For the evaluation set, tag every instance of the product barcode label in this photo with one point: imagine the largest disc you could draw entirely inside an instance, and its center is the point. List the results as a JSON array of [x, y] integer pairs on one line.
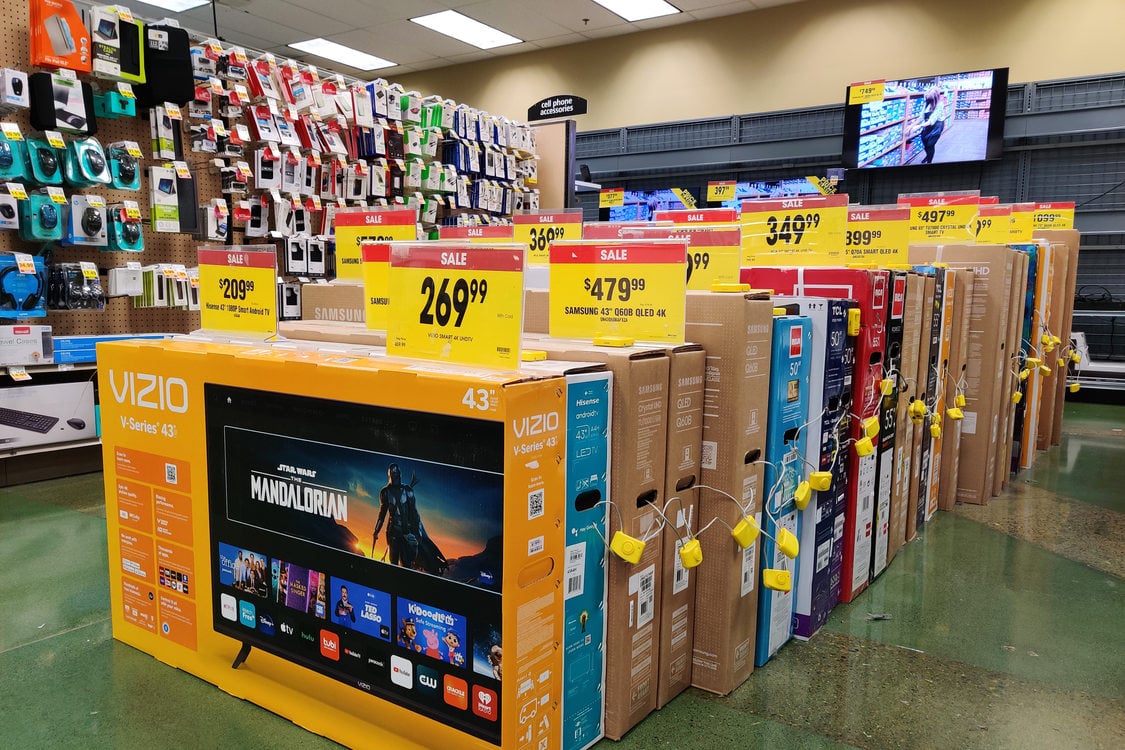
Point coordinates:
[[823, 555], [838, 530], [642, 584], [170, 475], [534, 504], [709, 457], [575, 570], [680, 573], [535, 545], [749, 569]]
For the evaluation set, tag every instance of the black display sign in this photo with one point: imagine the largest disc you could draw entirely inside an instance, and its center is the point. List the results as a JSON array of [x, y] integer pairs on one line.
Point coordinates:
[[562, 105]]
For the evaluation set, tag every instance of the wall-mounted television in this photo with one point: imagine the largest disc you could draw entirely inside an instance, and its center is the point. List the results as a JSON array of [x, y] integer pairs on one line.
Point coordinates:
[[790, 188], [640, 205], [938, 119]]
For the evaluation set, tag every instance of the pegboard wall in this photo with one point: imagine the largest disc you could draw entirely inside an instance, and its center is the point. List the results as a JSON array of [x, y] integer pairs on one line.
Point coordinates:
[[119, 315]]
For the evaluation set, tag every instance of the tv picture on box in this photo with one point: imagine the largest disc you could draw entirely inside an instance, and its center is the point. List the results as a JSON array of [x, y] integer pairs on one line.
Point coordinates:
[[938, 119]]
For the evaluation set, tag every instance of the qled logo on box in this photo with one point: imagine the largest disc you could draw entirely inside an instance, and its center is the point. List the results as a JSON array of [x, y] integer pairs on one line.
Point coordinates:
[[402, 672]]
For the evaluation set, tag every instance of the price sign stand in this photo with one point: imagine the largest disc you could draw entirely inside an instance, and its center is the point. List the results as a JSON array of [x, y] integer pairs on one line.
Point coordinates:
[[807, 231], [459, 303], [713, 249], [993, 225], [878, 234], [632, 289], [354, 228], [942, 217], [538, 231], [238, 290]]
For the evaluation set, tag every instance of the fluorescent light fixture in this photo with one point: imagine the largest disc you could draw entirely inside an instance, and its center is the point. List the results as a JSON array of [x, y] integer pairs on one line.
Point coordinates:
[[465, 29], [638, 10], [353, 58], [176, 6]]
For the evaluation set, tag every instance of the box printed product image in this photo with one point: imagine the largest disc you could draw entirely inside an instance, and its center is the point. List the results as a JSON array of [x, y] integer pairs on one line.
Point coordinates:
[[735, 330], [954, 380], [817, 583], [1018, 301], [921, 433], [639, 419], [904, 432], [1037, 328], [54, 408], [929, 369], [869, 289], [790, 362], [888, 422], [362, 536], [947, 281], [983, 443]]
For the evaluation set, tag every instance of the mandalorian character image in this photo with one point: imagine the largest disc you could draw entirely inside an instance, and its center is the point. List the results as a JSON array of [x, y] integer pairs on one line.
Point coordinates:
[[408, 544]]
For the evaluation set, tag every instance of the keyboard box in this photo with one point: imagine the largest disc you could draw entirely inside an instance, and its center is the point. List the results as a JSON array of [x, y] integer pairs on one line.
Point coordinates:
[[58, 412], [25, 345]]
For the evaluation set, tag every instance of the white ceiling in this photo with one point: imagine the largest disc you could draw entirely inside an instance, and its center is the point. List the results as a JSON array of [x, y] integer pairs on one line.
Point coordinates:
[[383, 28]]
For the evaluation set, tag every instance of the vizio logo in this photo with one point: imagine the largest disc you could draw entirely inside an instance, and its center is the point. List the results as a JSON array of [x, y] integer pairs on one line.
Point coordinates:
[[150, 391], [247, 615], [429, 681], [402, 672], [229, 607]]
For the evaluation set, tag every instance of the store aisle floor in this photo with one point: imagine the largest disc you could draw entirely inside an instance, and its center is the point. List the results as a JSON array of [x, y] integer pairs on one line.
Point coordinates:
[[1005, 629]]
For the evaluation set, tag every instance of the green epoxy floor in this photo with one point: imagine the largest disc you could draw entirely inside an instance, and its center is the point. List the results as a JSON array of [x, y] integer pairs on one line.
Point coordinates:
[[1007, 630]]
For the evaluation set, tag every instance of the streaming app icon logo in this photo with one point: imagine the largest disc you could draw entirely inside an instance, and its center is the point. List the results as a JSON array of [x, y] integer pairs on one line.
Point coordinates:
[[402, 672], [247, 614], [456, 692], [429, 682], [484, 702], [266, 624], [329, 645], [228, 607], [287, 628]]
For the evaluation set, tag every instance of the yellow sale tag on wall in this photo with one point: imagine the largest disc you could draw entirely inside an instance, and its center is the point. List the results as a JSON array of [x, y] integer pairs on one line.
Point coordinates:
[[238, 289], [499, 233], [713, 254], [538, 231], [630, 289], [867, 91], [717, 192], [461, 304], [611, 198], [878, 235], [941, 218], [1053, 216], [1022, 223], [698, 217], [376, 284], [353, 228], [992, 225], [794, 231]]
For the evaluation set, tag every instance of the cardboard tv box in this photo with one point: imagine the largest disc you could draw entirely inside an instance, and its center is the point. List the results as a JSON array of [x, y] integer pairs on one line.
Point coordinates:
[[1070, 238], [888, 422], [904, 432], [339, 303], [223, 547], [981, 440], [735, 330], [1005, 465], [637, 478], [955, 377], [1056, 322], [920, 433]]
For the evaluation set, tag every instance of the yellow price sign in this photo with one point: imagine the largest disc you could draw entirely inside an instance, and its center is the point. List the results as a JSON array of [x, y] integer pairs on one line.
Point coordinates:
[[629, 288], [866, 91], [698, 217], [490, 233], [461, 303], [538, 231], [376, 284], [717, 192], [794, 231], [941, 218], [611, 198], [878, 235], [1053, 216], [1022, 224], [993, 225], [713, 253], [238, 289], [353, 228]]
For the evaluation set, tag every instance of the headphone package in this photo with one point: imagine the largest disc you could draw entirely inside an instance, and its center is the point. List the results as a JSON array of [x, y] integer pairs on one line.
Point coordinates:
[[75, 286], [22, 292]]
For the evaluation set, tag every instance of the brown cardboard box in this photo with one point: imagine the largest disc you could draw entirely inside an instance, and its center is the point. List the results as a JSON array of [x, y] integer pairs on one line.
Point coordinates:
[[1011, 374], [343, 333], [735, 330], [987, 358], [904, 437], [1070, 238], [948, 284], [920, 432], [637, 475], [1036, 384], [959, 352], [1056, 317], [677, 597], [333, 302], [536, 316]]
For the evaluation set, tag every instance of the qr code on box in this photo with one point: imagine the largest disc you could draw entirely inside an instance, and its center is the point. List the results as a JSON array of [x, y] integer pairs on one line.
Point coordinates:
[[709, 457], [534, 504], [170, 475]]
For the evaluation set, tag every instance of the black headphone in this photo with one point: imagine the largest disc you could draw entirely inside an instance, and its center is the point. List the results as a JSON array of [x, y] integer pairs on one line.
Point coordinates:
[[8, 299]]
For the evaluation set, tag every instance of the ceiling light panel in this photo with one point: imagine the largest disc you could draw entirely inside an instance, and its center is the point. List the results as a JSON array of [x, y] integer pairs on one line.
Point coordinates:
[[176, 6], [638, 10], [344, 55], [465, 29]]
